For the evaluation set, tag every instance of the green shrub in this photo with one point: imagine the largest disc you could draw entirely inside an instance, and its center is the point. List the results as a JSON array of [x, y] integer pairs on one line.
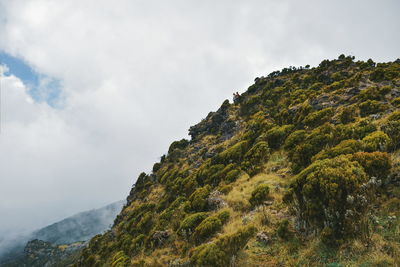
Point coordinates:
[[354, 131], [188, 186], [198, 200], [376, 141], [181, 144], [145, 223], [377, 164], [250, 105], [374, 93], [257, 125], [377, 75], [170, 175], [140, 181], [277, 135], [207, 228], [211, 174], [347, 115], [321, 192], [259, 195], [312, 143], [172, 212], [190, 223], [139, 217], [220, 252], [225, 189], [318, 118], [156, 167], [136, 244], [395, 116], [396, 102], [345, 147], [232, 175], [328, 237], [294, 139], [176, 150], [233, 154], [392, 129], [283, 229], [120, 260], [302, 112], [371, 107], [224, 216], [256, 157]]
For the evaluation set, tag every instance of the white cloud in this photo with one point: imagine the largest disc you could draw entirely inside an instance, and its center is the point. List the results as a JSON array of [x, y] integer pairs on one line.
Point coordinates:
[[136, 74]]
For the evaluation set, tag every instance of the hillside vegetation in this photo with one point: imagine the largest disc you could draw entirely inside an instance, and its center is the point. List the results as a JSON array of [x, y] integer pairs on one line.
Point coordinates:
[[303, 169]]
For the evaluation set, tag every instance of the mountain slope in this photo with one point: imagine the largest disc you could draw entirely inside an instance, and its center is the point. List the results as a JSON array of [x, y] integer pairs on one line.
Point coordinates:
[[302, 169]]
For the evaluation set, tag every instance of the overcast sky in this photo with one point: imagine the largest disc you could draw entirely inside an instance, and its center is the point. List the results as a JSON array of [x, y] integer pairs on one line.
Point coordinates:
[[96, 90]]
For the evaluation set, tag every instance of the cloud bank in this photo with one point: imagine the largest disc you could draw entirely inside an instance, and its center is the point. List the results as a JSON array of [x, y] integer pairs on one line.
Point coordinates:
[[134, 75]]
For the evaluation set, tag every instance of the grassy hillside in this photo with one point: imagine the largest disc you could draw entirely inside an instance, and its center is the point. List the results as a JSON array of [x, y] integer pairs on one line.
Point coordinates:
[[303, 169]]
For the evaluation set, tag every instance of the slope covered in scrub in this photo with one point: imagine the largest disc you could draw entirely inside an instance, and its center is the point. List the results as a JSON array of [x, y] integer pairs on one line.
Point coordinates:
[[302, 169]]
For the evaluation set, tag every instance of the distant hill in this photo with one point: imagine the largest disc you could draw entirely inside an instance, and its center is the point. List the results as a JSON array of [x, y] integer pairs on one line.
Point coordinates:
[[81, 226], [77, 228]]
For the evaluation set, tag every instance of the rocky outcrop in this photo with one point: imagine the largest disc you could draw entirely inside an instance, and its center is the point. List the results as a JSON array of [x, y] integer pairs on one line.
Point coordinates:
[[215, 123]]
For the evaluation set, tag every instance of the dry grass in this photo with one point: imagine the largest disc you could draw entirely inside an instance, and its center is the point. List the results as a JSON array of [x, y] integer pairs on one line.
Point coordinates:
[[156, 193]]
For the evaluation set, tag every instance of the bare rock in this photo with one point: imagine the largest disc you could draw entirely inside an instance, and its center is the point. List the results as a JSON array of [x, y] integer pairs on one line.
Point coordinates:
[[263, 238], [215, 201], [160, 237]]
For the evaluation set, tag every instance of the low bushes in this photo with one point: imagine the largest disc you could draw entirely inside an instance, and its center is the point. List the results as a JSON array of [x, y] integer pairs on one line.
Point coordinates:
[[392, 129], [259, 195], [120, 260], [318, 118], [355, 131], [344, 147], [233, 154], [232, 175], [283, 229], [220, 252], [277, 135], [207, 228], [371, 107], [190, 223], [375, 164], [256, 157], [172, 213], [347, 115], [376, 141], [210, 226], [198, 200], [324, 195], [302, 146]]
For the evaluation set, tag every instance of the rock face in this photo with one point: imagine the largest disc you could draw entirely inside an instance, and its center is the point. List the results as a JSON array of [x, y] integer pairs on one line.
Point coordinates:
[[215, 123], [323, 101]]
